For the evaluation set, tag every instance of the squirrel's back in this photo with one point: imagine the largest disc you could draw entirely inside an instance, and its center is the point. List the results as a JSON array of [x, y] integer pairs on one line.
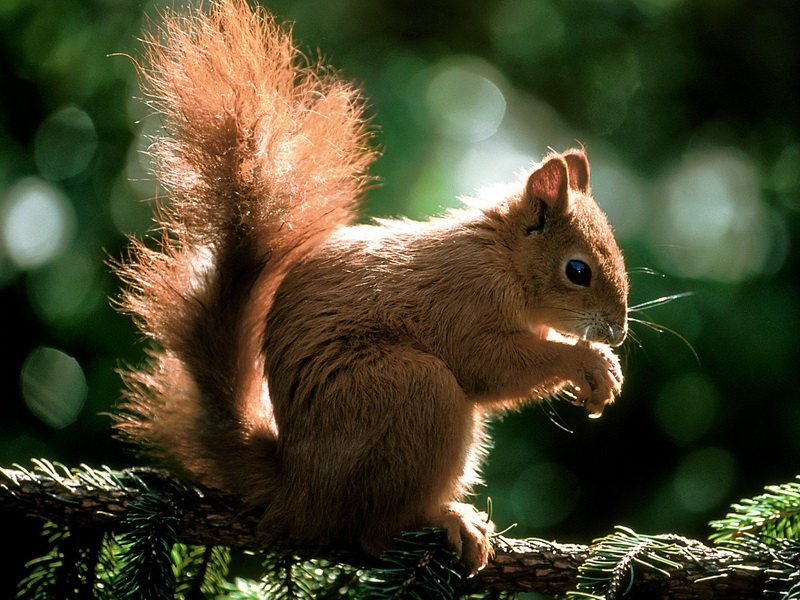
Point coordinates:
[[263, 156]]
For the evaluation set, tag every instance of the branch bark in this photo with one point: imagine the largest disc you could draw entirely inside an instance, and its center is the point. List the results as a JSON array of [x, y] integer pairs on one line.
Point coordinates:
[[99, 499]]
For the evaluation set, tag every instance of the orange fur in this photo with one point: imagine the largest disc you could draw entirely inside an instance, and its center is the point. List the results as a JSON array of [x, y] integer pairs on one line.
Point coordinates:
[[336, 376]]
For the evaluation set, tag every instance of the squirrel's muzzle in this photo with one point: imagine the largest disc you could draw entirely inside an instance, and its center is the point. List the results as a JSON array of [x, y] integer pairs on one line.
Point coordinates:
[[616, 333]]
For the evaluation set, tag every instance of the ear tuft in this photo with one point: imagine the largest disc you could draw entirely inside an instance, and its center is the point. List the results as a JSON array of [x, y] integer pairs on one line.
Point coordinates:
[[578, 166], [550, 183]]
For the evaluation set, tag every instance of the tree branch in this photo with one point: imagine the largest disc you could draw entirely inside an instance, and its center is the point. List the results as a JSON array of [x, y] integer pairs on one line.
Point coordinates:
[[98, 498]]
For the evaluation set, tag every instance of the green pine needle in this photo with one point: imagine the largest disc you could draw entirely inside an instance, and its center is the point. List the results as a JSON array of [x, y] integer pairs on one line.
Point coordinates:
[[217, 571], [69, 570], [279, 580], [200, 571], [768, 525], [244, 589], [107, 566], [146, 572], [42, 579], [608, 572], [783, 574], [419, 568], [775, 513], [291, 578]]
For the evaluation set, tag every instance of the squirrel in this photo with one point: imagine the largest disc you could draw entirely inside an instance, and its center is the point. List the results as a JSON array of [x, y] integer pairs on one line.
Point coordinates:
[[337, 377]]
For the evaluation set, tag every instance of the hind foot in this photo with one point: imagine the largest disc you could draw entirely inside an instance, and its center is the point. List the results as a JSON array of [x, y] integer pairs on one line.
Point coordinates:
[[468, 534]]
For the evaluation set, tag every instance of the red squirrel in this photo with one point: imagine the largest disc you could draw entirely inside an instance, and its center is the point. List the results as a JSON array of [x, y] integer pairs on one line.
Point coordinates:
[[337, 377]]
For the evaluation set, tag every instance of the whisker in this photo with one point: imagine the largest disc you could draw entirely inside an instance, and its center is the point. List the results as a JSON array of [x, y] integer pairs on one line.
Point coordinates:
[[658, 302], [570, 310], [565, 320], [552, 414], [625, 353], [644, 271], [662, 329], [634, 338]]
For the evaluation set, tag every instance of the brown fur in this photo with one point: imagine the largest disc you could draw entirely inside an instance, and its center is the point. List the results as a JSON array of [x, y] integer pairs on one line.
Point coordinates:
[[338, 377]]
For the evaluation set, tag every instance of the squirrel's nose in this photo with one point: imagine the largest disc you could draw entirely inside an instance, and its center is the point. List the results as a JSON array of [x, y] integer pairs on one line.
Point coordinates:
[[617, 333]]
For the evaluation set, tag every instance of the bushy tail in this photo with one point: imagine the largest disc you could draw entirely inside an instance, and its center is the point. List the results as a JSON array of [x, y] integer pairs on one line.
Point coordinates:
[[263, 157]]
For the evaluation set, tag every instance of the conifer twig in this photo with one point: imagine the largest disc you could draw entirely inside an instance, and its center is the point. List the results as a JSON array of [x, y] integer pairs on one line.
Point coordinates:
[[99, 497]]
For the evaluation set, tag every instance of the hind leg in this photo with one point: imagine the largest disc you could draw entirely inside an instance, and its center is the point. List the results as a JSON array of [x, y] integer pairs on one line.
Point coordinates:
[[414, 438], [468, 534], [383, 442]]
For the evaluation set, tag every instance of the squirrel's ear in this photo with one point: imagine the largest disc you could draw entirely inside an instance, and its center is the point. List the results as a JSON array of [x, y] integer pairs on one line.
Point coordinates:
[[550, 183], [578, 167]]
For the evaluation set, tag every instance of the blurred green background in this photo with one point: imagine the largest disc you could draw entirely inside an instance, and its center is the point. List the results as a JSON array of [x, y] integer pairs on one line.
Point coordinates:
[[691, 115]]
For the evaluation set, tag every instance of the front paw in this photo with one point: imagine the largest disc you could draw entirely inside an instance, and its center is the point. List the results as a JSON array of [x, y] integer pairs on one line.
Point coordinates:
[[598, 380]]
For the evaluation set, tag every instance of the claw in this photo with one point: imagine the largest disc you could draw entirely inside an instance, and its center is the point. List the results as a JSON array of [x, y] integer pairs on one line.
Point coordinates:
[[468, 534]]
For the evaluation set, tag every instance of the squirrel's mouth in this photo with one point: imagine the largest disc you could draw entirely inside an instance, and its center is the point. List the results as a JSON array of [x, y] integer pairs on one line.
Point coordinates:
[[592, 331], [572, 326]]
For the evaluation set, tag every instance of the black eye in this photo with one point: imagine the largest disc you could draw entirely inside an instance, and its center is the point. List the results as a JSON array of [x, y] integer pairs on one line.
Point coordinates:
[[579, 273]]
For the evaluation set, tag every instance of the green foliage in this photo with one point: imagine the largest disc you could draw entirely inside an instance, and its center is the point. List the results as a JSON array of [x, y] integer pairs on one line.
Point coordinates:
[[69, 570], [765, 526], [608, 572], [291, 578], [200, 571], [107, 565], [286, 579], [783, 573], [144, 562], [146, 572], [147, 562], [768, 525], [420, 567], [244, 589], [784, 576], [775, 514]]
